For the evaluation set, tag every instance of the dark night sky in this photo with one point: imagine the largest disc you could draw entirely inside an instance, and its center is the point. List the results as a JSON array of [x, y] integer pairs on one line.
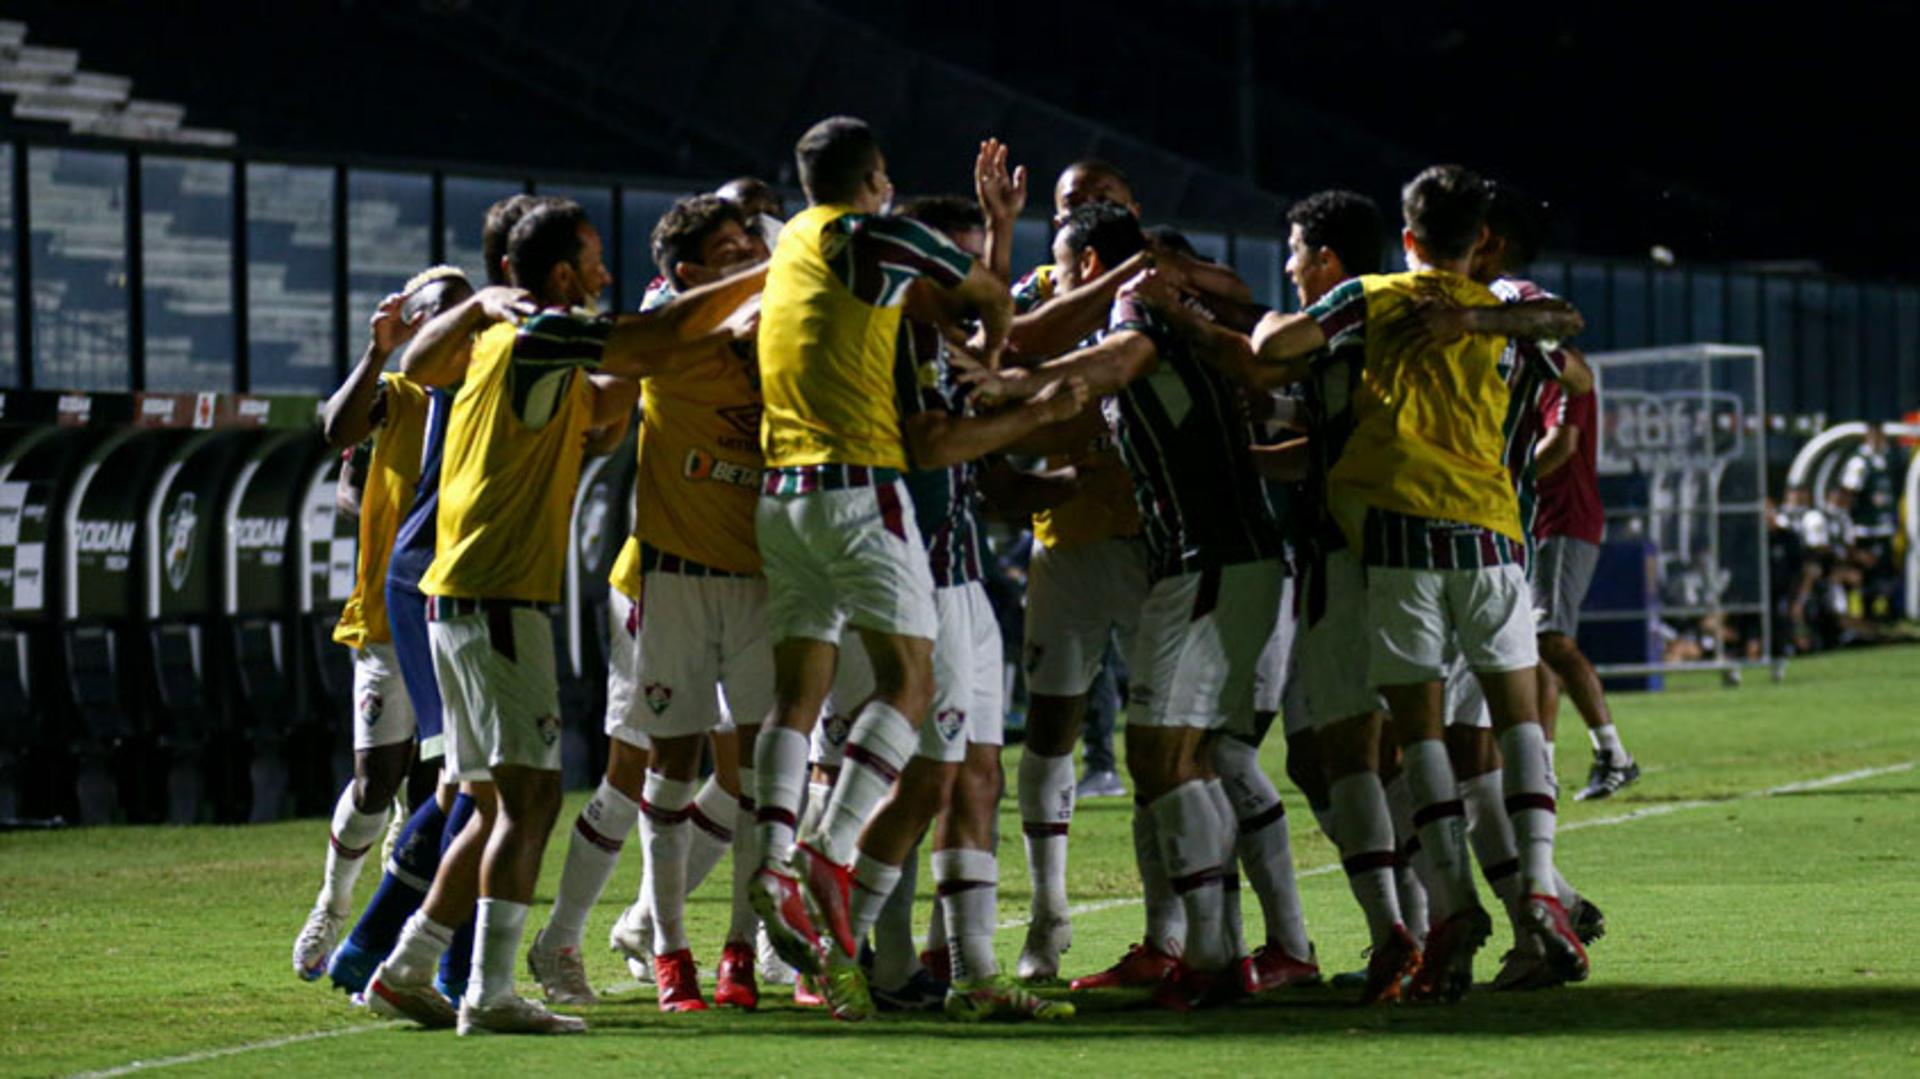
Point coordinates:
[[1724, 131]]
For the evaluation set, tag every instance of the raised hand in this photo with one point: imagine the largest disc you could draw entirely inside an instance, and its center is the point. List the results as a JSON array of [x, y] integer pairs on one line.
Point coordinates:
[[501, 303], [389, 327], [1002, 194]]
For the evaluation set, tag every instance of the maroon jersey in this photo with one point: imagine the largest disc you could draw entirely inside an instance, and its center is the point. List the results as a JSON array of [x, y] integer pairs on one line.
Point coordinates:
[[1569, 499]]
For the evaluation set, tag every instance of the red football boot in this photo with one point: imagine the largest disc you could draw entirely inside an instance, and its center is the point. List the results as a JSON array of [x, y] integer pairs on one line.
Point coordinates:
[[734, 985], [1143, 966], [679, 982]]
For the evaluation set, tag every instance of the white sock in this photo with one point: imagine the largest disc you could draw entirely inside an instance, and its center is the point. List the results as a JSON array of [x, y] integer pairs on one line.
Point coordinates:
[[711, 830], [1190, 847], [873, 882], [746, 859], [1046, 810], [877, 749], [1491, 833], [968, 882], [1226, 828], [818, 795], [497, 927], [1607, 745], [1264, 847], [894, 955], [1528, 784], [352, 836], [664, 828], [1440, 818], [1366, 849], [1166, 918], [780, 773], [416, 955], [592, 852], [1413, 900]]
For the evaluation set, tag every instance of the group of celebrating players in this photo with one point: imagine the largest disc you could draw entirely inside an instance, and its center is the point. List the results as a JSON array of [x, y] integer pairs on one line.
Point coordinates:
[[1327, 516]]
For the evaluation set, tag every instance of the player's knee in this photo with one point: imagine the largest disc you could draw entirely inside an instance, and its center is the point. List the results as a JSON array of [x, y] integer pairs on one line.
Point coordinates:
[[1053, 724], [1559, 650]]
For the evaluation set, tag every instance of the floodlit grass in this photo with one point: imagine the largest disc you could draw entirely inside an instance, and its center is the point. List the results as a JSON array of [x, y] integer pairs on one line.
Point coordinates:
[[1755, 934]]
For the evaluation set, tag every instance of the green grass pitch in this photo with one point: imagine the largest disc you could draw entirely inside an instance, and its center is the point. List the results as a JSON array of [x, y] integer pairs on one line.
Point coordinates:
[[1760, 884]]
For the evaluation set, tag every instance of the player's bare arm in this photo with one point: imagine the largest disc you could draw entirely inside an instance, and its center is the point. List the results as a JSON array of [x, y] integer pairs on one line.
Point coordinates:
[[442, 348], [1282, 345], [1067, 319], [1108, 365], [1003, 195], [937, 439], [642, 344], [1555, 449], [353, 412], [1014, 495]]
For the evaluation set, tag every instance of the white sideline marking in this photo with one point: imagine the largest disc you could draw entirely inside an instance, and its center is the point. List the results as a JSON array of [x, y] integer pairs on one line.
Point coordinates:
[[1661, 810], [234, 1050]]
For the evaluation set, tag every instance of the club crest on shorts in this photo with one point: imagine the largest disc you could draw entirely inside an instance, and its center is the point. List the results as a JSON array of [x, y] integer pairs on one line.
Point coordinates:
[[549, 729], [837, 729], [949, 722], [659, 696], [371, 705]]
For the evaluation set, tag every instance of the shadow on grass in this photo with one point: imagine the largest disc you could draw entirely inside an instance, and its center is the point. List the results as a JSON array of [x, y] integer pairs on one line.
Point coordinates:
[[1596, 1009]]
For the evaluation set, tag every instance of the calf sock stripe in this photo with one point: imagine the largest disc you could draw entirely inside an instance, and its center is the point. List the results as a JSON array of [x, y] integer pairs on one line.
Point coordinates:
[[1520, 803], [1500, 871], [1042, 829], [955, 887], [1426, 815], [345, 851], [1367, 862], [663, 816], [1201, 879], [777, 815], [709, 825], [863, 756], [606, 843], [1277, 811]]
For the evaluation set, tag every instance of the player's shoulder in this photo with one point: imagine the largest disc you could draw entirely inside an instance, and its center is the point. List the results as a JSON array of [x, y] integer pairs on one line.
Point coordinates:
[[1518, 290]]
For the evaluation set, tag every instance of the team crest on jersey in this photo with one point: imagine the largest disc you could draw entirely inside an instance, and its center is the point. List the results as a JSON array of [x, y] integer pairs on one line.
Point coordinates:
[[949, 722], [371, 705], [744, 418], [659, 696], [549, 729]]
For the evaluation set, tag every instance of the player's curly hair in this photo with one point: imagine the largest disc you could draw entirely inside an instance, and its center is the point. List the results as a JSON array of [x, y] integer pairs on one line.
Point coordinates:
[[1445, 207], [1346, 223], [428, 276], [1519, 219], [678, 234]]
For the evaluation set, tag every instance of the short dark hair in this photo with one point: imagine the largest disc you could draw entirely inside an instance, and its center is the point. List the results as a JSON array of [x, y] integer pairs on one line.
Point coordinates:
[[834, 158], [1519, 219], [546, 236], [1098, 167], [1445, 207], [501, 217], [1168, 238], [678, 234], [744, 191], [951, 214], [1346, 223], [1112, 231]]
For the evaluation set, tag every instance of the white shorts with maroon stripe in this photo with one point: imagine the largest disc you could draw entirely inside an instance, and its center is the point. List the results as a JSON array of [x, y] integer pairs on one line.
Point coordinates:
[[845, 557]]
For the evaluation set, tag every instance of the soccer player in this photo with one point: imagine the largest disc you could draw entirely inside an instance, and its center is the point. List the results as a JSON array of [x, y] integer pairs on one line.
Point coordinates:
[[392, 411], [1421, 490], [954, 777], [1212, 549], [838, 546], [702, 626], [1872, 476], [435, 831], [531, 389]]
